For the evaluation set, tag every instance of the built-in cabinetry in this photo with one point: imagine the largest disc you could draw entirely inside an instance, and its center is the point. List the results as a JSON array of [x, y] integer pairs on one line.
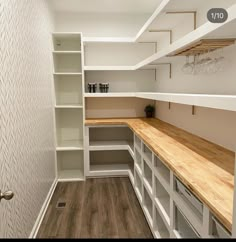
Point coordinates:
[[109, 151], [171, 209], [69, 105]]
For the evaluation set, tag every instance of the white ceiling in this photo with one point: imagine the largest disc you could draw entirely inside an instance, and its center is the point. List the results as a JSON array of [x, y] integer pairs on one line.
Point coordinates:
[[105, 6]]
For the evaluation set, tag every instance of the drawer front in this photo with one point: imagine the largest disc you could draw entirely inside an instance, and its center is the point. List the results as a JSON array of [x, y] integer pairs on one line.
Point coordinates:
[[183, 191]]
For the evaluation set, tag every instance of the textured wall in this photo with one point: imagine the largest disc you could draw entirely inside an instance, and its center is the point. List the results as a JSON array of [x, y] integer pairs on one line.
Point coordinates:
[[27, 157]]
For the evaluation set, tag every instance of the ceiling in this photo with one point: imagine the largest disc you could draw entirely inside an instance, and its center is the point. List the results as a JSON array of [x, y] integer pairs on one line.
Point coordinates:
[[105, 6]]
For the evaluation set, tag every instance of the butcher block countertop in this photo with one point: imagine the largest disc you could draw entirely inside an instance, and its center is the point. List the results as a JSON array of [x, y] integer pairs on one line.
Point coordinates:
[[205, 168]]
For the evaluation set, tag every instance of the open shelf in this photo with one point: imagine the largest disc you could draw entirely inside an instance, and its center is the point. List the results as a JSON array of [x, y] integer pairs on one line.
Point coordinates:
[[147, 175], [111, 163], [67, 41], [183, 228], [67, 74], [162, 200], [70, 145], [69, 124], [69, 91], [109, 68], [111, 94], [109, 134], [206, 31], [67, 52], [69, 63], [111, 138], [147, 154], [148, 206], [160, 229], [162, 172], [70, 165]]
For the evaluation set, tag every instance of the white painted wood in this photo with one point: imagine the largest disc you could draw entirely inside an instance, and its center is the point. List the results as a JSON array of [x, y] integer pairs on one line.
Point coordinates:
[[108, 40], [114, 94], [69, 107], [67, 73], [43, 211], [65, 145], [158, 11], [225, 102], [161, 229], [109, 68], [70, 175], [203, 31]]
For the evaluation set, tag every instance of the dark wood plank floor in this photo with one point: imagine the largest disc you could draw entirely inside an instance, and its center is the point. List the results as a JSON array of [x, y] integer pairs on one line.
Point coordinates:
[[97, 208]]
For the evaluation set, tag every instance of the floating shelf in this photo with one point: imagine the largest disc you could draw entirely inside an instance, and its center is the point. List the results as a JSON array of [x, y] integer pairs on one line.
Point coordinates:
[[109, 68], [114, 94], [204, 46], [224, 102], [67, 73]]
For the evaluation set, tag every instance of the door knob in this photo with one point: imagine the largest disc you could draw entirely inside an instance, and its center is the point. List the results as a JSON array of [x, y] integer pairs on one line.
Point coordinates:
[[6, 195]]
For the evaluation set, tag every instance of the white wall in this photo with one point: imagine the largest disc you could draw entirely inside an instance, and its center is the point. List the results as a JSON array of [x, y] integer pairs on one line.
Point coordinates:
[[214, 125], [117, 54], [100, 25], [123, 81], [115, 107], [27, 149]]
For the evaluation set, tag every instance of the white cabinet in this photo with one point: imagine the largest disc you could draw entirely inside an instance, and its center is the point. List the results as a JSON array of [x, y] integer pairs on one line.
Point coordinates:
[[171, 209], [69, 105]]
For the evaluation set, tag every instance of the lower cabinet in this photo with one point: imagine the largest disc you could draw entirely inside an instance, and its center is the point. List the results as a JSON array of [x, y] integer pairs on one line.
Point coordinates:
[[170, 208]]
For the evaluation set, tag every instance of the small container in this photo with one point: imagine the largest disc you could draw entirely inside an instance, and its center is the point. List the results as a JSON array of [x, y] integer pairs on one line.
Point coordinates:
[[104, 87], [92, 87]]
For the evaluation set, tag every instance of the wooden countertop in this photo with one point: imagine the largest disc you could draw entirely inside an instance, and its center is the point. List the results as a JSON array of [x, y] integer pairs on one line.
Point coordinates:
[[205, 168]]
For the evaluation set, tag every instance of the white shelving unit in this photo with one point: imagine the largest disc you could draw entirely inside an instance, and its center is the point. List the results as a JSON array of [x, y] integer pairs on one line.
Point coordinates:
[[69, 105], [109, 151]]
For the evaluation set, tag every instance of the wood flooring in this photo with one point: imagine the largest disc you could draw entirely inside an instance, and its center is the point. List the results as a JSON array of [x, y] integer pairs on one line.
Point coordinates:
[[96, 208]]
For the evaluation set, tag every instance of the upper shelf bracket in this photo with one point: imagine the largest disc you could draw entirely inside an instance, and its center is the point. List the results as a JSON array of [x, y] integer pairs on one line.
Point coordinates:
[[170, 67]]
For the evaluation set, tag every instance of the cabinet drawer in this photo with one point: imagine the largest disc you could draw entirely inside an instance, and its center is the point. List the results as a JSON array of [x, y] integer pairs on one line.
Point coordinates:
[[184, 192]]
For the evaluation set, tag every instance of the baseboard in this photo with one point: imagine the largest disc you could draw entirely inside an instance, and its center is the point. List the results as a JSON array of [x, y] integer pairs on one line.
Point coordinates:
[[43, 210]]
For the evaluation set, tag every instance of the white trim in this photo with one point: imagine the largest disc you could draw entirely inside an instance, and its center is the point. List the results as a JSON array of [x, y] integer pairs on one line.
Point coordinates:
[[43, 210]]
